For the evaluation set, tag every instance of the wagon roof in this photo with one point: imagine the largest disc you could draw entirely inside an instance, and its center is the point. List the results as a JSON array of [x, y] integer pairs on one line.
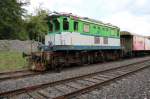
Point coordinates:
[[125, 33], [132, 34]]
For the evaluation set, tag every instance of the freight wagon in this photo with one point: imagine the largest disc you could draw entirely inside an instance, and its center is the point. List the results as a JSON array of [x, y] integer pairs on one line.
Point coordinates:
[[134, 45]]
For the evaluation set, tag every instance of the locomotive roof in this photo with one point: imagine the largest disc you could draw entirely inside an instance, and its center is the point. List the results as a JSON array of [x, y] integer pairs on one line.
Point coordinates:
[[86, 19]]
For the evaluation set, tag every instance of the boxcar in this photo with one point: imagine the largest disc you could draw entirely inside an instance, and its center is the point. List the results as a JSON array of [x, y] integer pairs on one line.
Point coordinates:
[[134, 44]]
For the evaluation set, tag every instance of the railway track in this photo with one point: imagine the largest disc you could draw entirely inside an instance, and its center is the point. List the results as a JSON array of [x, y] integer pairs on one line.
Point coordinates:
[[72, 87], [24, 73], [16, 74]]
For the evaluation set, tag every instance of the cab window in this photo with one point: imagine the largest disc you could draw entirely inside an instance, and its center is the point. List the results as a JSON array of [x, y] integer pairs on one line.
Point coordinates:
[[65, 24], [50, 27], [75, 26], [57, 25]]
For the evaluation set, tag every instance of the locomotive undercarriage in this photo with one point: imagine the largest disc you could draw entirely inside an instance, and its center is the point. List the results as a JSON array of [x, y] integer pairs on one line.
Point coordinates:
[[42, 61]]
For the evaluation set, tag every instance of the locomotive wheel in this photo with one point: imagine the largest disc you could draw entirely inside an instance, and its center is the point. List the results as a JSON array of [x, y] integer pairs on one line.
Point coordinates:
[[83, 60], [58, 68], [91, 59]]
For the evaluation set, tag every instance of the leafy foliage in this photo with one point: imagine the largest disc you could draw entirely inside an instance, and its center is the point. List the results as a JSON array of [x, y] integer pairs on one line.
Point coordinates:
[[15, 25], [11, 21], [37, 25]]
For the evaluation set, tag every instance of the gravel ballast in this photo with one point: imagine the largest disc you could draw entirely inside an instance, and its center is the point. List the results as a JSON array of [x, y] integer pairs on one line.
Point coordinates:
[[136, 86], [67, 73]]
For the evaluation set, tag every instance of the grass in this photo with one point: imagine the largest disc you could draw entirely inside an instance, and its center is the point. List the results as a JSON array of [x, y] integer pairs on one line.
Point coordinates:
[[10, 61]]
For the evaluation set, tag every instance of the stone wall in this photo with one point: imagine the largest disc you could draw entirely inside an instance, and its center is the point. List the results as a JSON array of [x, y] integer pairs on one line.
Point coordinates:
[[17, 45]]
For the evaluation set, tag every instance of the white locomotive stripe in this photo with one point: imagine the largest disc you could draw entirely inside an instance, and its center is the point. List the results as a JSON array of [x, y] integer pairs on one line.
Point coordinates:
[[74, 38]]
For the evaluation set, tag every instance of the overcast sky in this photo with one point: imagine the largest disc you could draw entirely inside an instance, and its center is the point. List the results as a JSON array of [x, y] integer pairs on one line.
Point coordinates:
[[129, 15]]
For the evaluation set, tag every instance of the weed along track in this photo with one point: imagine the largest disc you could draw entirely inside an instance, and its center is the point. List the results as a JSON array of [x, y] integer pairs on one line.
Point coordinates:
[[75, 86]]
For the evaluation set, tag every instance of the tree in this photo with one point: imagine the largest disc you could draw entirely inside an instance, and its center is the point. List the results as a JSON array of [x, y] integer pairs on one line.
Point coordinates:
[[37, 25], [11, 22]]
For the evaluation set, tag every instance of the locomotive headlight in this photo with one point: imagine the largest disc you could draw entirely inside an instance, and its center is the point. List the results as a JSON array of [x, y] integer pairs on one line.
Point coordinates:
[[33, 67], [47, 57]]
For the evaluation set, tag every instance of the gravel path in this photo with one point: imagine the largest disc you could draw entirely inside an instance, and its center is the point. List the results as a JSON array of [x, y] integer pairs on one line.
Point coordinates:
[[67, 73], [136, 86]]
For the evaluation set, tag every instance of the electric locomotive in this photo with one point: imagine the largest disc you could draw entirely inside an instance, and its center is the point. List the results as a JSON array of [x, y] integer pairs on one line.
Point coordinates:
[[76, 40]]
